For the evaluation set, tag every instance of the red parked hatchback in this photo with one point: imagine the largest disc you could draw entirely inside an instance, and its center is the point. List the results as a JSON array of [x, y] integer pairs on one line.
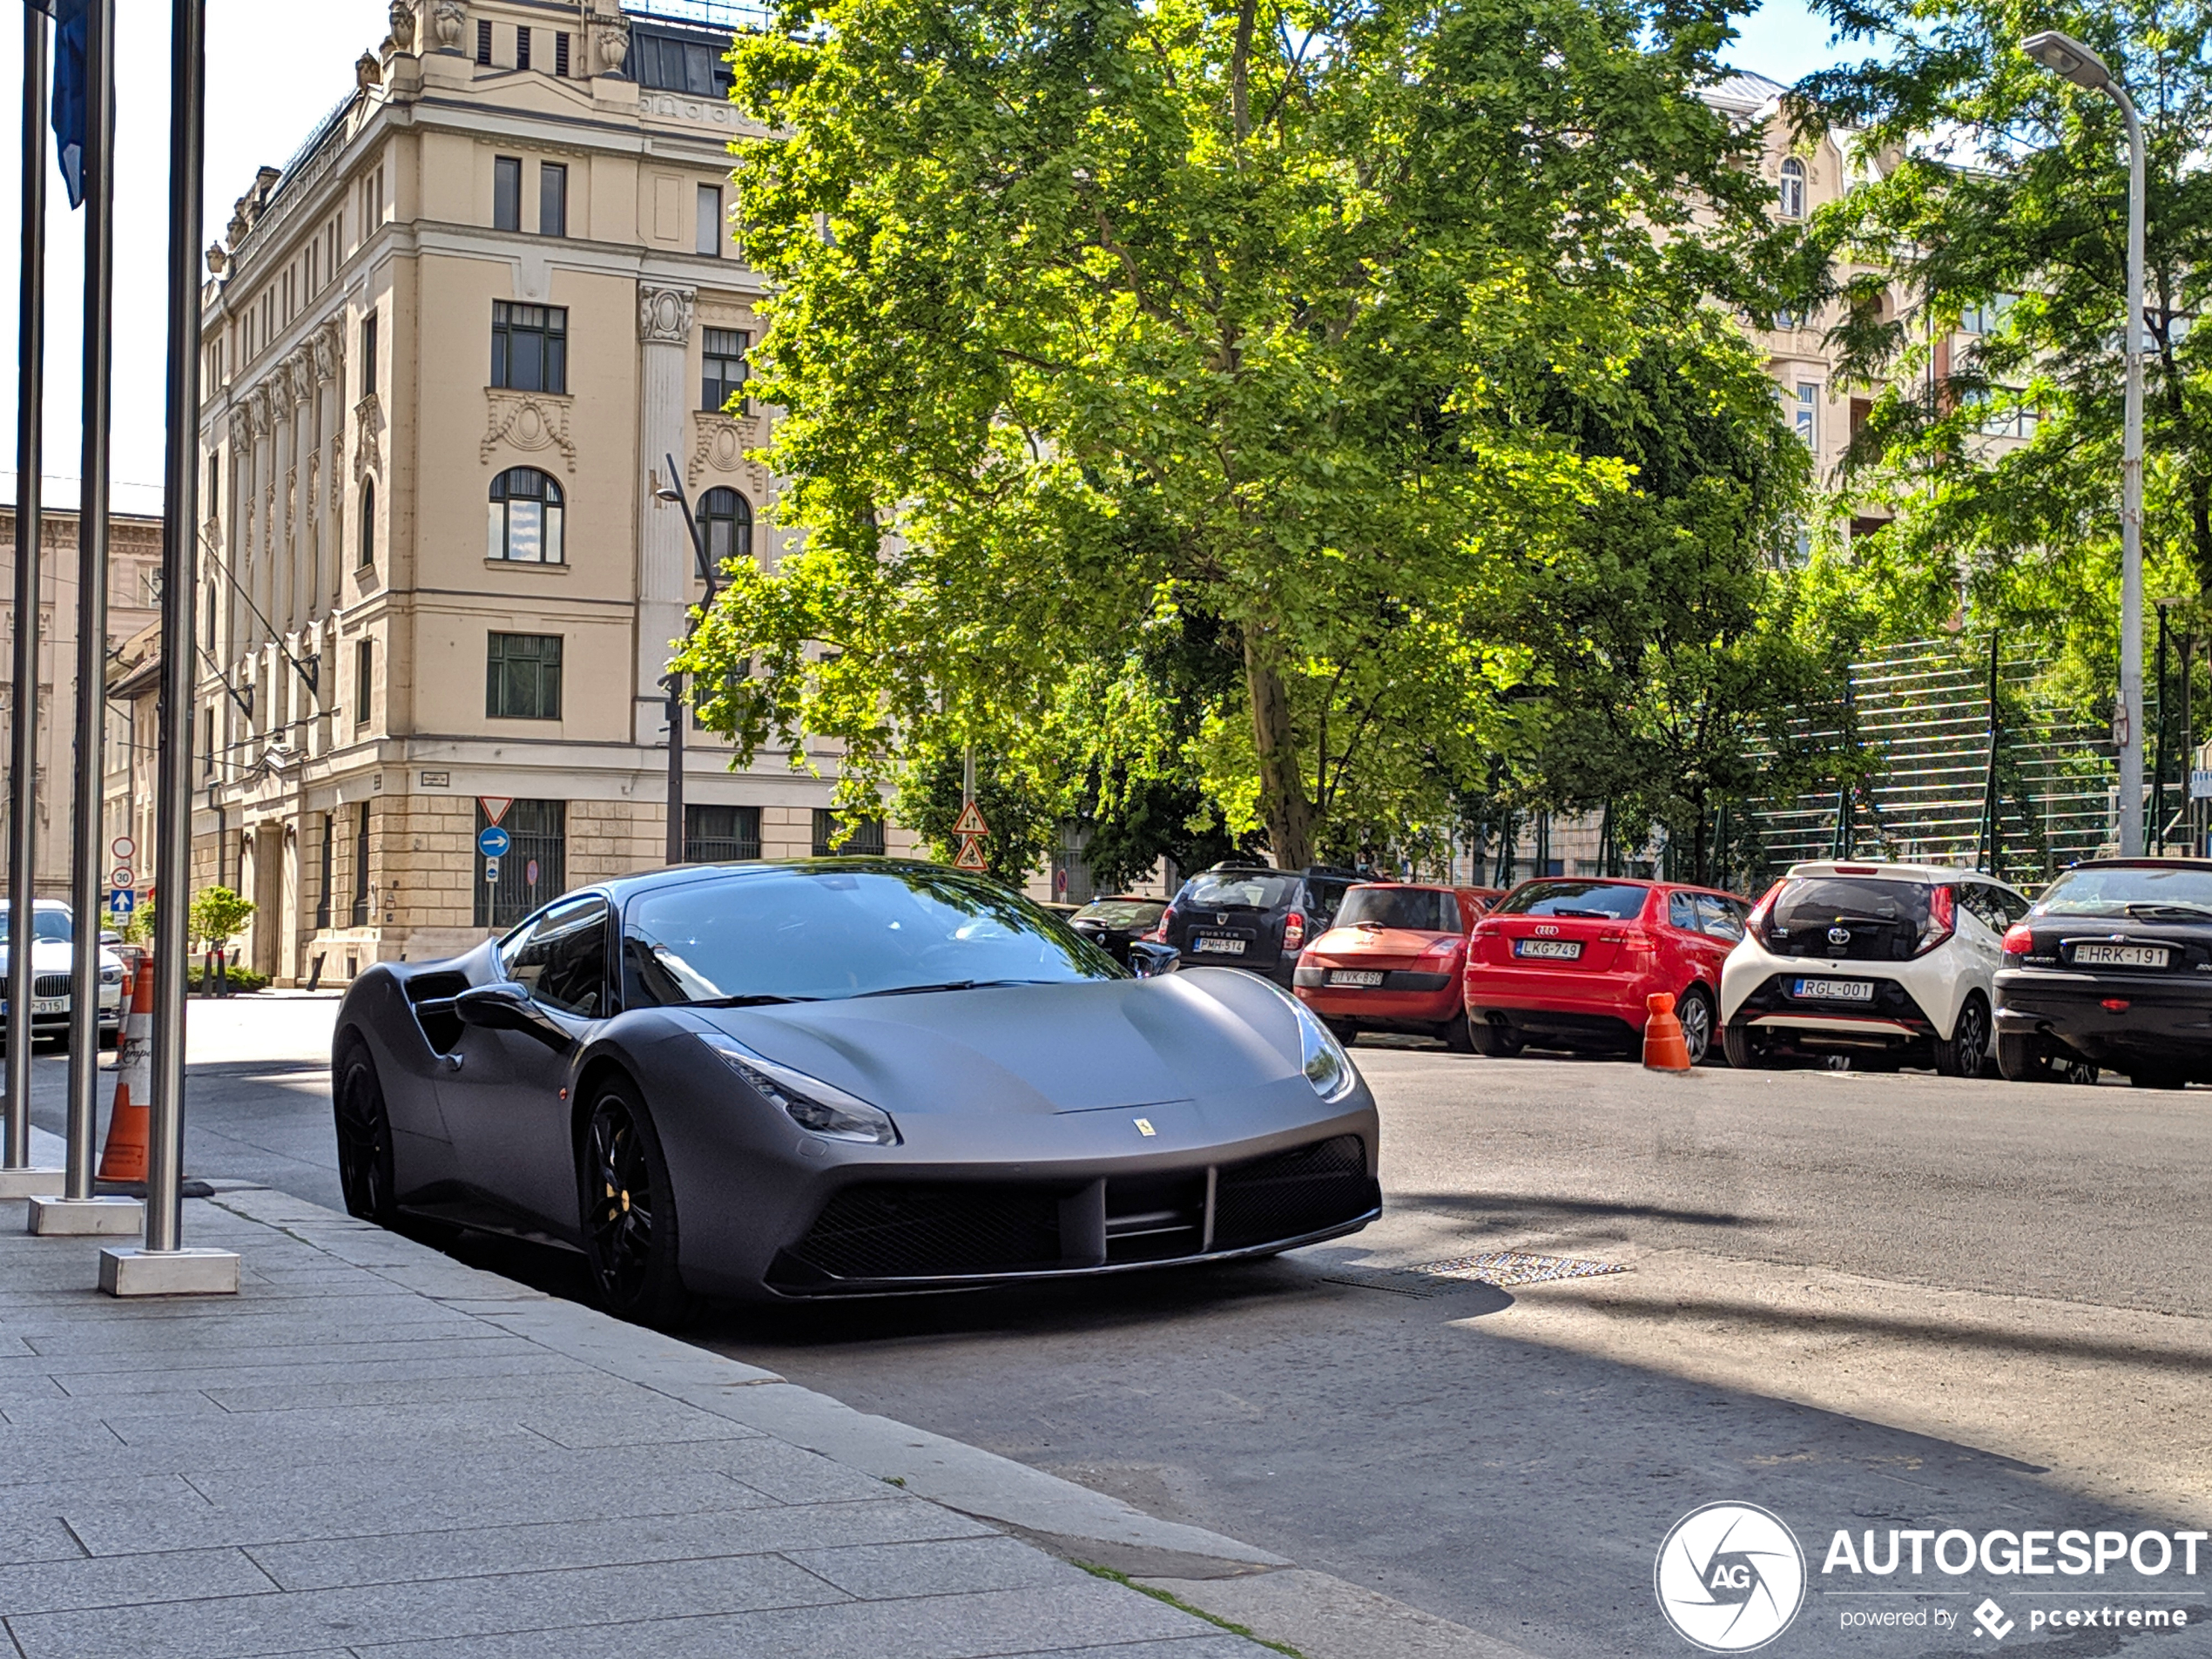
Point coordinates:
[[1391, 961], [1568, 962]]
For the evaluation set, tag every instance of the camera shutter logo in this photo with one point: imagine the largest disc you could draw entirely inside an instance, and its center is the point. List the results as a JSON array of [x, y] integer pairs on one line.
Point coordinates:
[[1730, 1577]]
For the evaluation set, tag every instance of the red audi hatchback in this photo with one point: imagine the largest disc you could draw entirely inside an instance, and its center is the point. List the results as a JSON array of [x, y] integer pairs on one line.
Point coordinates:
[[1568, 962]]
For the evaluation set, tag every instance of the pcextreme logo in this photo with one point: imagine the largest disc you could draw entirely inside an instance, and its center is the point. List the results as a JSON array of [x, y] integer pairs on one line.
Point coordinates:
[[1730, 1577]]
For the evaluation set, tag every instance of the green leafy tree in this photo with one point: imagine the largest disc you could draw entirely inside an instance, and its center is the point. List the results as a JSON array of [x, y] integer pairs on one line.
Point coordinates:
[[218, 916], [1101, 322], [1023, 811]]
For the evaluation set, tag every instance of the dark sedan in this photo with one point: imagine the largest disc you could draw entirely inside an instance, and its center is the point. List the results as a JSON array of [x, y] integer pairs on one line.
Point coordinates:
[[838, 1077], [2113, 967], [1115, 924]]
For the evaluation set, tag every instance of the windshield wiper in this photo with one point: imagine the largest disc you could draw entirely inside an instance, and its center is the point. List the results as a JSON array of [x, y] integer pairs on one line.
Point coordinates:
[[2168, 907], [949, 985], [752, 1001]]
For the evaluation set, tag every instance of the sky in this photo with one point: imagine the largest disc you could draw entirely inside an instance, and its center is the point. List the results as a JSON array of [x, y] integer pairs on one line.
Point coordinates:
[[274, 70]]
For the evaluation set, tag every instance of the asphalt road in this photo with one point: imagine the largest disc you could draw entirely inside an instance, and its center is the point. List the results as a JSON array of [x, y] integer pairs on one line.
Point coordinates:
[[1860, 1301]]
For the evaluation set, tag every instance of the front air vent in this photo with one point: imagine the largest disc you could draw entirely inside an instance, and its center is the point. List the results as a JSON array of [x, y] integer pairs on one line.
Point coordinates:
[[1292, 1194]]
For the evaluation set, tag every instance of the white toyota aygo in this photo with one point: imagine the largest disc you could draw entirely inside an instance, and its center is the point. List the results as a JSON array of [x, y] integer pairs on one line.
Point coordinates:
[[1891, 964]]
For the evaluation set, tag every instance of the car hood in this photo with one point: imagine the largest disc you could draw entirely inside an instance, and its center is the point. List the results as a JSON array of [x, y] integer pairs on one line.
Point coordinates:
[[1036, 1049], [52, 956]]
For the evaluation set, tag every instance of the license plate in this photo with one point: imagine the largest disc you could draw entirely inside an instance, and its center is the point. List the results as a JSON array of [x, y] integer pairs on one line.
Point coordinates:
[[49, 1005], [1217, 946], [1355, 976], [1563, 950], [1834, 990], [2121, 955]]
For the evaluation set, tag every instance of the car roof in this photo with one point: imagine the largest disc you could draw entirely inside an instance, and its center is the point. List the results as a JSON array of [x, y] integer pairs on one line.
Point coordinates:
[[1884, 868], [2140, 864]]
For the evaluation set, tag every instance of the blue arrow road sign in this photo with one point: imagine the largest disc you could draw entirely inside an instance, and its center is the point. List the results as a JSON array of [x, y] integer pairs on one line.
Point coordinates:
[[121, 902], [493, 841]]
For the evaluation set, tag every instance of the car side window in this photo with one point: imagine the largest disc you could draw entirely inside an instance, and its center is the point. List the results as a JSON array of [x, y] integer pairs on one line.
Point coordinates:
[[1682, 910], [1326, 899], [1719, 918], [562, 960], [1981, 899], [2015, 907]]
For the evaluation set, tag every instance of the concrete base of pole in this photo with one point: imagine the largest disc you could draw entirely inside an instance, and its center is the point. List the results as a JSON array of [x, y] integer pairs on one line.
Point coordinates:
[[86, 1217], [125, 1270], [33, 1184]]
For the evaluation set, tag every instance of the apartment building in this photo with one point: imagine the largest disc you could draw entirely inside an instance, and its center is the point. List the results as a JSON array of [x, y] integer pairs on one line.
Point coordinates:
[[452, 348]]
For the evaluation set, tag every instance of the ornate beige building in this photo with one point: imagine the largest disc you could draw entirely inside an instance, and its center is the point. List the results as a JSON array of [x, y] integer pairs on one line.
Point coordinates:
[[450, 347]]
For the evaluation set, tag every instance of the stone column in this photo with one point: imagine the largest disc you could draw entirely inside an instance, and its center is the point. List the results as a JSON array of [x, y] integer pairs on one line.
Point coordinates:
[[663, 545]]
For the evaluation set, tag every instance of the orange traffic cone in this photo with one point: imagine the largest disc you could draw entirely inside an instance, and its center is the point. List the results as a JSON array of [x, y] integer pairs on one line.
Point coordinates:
[[1663, 1048], [128, 1129]]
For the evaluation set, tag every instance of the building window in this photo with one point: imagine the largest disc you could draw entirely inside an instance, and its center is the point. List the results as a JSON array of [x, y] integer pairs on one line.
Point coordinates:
[[535, 870], [1808, 414], [723, 368], [526, 518], [214, 483], [329, 860], [667, 63], [364, 670], [506, 192], [1793, 189], [560, 54], [725, 521], [523, 676], [862, 839], [368, 560], [721, 834], [522, 48], [552, 198], [207, 743], [368, 354], [360, 868], [1986, 316], [484, 40], [529, 348], [710, 220]]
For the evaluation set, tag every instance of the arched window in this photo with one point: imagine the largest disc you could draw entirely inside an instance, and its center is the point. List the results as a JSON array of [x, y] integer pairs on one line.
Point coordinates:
[[726, 520], [526, 512], [369, 524], [1793, 189]]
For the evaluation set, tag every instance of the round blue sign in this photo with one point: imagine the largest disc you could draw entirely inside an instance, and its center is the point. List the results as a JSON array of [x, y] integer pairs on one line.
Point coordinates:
[[493, 841]]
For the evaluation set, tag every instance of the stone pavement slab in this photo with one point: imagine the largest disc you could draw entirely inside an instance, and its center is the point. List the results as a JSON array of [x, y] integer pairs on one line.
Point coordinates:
[[374, 1450]]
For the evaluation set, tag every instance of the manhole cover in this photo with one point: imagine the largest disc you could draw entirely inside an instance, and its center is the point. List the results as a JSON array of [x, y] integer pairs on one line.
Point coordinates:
[[1500, 1267]]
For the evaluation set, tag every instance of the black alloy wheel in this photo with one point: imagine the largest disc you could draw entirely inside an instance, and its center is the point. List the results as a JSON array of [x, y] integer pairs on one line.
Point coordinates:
[[1966, 1051], [1492, 1037], [2026, 1059], [629, 1211], [364, 1135], [1454, 1035], [1695, 1010], [1745, 1052]]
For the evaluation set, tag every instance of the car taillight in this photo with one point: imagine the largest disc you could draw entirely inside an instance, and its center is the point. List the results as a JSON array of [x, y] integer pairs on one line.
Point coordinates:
[[1637, 939], [1755, 923], [1294, 931], [1489, 929], [1159, 934], [1943, 919], [2019, 938]]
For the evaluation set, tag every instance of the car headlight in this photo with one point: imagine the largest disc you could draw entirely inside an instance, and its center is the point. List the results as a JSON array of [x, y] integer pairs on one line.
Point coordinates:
[[111, 976], [819, 1108], [1321, 1057]]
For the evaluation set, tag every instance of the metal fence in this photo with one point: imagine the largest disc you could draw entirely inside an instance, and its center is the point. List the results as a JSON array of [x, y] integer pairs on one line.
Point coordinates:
[[1977, 764]]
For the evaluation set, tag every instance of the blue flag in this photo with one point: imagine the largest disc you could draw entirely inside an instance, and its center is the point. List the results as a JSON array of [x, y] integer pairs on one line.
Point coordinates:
[[73, 19]]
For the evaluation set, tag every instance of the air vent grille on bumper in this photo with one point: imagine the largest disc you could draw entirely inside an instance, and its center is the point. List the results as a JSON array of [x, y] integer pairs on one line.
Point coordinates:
[[892, 1231], [1292, 1193]]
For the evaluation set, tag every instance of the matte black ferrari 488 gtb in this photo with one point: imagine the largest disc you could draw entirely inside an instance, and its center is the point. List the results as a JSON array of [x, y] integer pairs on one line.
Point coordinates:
[[849, 1076]]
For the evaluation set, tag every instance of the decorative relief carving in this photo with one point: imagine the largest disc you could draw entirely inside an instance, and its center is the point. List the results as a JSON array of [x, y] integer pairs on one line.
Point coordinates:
[[329, 346], [241, 427], [369, 420], [446, 21], [337, 473], [718, 444], [665, 316], [256, 408], [402, 15], [530, 422], [612, 32]]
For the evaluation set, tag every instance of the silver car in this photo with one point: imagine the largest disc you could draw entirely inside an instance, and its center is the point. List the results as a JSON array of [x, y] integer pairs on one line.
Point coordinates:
[[52, 953]]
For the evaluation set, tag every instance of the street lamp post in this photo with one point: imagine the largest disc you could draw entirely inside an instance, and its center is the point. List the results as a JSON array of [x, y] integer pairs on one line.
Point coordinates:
[[673, 493], [2066, 57]]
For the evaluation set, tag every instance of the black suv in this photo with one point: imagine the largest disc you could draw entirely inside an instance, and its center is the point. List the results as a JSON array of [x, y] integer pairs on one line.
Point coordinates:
[[1253, 915]]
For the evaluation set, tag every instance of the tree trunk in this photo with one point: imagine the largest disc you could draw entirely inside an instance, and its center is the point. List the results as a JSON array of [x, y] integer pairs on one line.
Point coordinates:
[[1281, 784]]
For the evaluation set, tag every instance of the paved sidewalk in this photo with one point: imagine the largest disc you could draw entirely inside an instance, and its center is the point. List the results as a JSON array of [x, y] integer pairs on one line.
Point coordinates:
[[374, 1450]]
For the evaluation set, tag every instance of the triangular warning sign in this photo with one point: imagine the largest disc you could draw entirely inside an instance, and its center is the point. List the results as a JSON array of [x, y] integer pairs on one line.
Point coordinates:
[[970, 856], [495, 806], [971, 821]]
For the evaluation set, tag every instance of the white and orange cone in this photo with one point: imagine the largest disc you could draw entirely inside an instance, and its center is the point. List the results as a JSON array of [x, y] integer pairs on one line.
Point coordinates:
[[128, 1129]]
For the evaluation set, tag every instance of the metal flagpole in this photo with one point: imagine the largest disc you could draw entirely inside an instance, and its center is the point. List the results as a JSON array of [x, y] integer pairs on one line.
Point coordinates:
[[163, 1266], [18, 1178], [671, 493]]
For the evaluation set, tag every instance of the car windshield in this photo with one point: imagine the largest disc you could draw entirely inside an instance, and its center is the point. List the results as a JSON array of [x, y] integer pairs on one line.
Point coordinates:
[[1817, 900], [1423, 909], [48, 926], [807, 935], [2115, 890], [1237, 890], [1612, 901], [1123, 913]]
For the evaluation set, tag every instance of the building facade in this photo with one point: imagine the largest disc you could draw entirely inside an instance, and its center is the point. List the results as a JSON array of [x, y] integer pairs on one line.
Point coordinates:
[[453, 349]]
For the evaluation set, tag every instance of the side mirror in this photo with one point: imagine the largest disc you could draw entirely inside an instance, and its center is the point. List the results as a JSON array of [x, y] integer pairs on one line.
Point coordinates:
[[497, 1007], [1147, 959]]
